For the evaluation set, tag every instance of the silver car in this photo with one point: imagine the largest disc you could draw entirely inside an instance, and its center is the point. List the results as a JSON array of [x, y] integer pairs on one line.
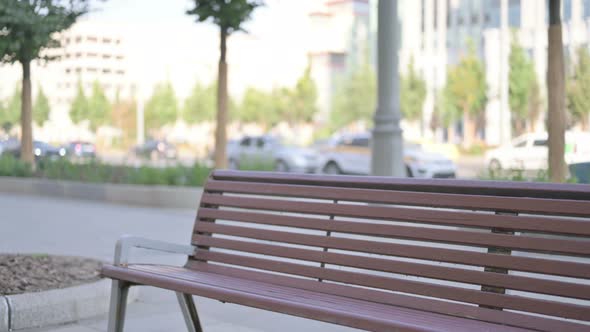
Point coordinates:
[[270, 153], [350, 154]]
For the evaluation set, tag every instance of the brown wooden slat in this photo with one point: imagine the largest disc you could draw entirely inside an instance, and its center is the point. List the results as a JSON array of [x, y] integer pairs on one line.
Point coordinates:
[[533, 285], [517, 263], [454, 186], [475, 202], [449, 218], [525, 243], [432, 305], [406, 286]]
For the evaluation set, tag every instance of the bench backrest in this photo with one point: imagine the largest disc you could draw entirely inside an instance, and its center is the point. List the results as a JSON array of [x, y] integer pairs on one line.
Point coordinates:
[[502, 252]]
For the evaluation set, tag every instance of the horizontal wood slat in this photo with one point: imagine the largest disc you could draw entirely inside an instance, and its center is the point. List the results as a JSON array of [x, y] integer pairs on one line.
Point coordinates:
[[550, 287], [441, 200], [409, 301], [553, 308], [517, 263], [449, 218], [407, 232], [454, 186]]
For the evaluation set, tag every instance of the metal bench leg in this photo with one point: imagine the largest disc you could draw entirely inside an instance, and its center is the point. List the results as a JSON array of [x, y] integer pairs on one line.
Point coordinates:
[[189, 312], [119, 292]]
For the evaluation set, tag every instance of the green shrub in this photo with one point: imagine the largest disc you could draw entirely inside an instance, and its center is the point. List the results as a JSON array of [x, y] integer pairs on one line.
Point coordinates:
[[96, 172], [10, 166], [518, 174]]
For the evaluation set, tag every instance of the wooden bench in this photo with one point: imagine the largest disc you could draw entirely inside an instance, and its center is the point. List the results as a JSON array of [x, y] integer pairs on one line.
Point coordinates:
[[381, 254]]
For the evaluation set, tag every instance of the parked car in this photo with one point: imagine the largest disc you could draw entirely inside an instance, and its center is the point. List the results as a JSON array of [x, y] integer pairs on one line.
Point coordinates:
[[350, 154], [80, 150], [530, 151], [155, 150], [269, 152], [41, 150]]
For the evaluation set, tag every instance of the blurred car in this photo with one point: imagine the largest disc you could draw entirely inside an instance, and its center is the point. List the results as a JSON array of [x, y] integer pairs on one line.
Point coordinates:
[[350, 154], [530, 152], [269, 152], [155, 150], [80, 150], [41, 150]]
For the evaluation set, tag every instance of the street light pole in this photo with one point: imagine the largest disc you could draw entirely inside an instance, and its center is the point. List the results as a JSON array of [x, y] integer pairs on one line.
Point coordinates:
[[387, 145]]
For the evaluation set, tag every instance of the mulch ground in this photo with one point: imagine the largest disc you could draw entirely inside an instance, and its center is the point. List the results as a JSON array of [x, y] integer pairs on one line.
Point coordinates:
[[34, 273]]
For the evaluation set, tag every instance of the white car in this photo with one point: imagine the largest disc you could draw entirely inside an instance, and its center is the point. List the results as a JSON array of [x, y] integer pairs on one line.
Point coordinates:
[[350, 154], [530, 151]]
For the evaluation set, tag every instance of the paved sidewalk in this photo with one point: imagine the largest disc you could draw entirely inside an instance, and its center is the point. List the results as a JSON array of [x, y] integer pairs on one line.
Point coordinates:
[[31, 224]]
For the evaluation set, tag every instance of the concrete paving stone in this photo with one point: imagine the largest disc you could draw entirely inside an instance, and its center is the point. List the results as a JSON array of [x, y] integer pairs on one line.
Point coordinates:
[[3, 314]]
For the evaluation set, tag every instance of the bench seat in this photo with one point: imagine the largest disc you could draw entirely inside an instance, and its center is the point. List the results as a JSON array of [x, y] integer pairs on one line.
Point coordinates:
[[295, 301]]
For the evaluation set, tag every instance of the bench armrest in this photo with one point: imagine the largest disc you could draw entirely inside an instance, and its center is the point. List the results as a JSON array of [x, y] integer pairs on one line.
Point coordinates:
[[126, 242]]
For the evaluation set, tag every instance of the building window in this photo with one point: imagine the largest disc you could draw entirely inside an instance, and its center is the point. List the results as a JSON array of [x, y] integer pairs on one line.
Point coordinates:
[[567, 10], [67, 55], [78, 70], [78, 39], [120, 72], [78, 55], [106, 56], [119, 57], [106, 71], [91, 55], [68, 70], [92, 39], [91, 70], [514, 13], [106, 40]]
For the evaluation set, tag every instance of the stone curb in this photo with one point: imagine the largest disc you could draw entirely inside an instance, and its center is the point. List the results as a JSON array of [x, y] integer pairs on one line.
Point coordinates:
[[57, 306], [152, 196]]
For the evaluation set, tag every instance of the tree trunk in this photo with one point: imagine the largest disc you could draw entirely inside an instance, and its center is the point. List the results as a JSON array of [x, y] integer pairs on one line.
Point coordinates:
[[26, 147], [469, 129], [222, 101], [556, 95]]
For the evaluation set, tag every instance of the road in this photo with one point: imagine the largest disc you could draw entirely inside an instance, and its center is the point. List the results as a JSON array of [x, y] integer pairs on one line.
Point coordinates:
[[32, 224]]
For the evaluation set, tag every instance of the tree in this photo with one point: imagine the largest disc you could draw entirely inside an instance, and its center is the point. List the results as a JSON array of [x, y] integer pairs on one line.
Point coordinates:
[[356, 97], [229, 17], [28, 27], [98, 107], [412, 94], [258, 106], [466, 90], [79, 108], [520, 84], [578, 89], [556, 94], [11, 113], [304, 99], [123, 116], [41, 108], [200, 105], [162, 107]]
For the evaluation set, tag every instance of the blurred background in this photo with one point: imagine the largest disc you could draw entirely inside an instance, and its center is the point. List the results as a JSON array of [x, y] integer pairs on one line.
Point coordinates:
[[133, 88]]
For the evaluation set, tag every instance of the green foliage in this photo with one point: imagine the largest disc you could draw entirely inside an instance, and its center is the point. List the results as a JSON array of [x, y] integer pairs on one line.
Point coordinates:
[[521, 80], [258, 106], [99, 108], [228, 15], [304, 99], [466, 88], [11, 113], [96, 172], [10, 166], [356, 97], [41, 108], [79, 108], [124, 117], [578, 89], [200, 105], [30, 26], [412, 94], [162, 107]]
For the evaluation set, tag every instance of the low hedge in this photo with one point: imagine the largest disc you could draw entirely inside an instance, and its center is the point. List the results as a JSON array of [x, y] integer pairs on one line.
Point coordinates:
[[97, 172]]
